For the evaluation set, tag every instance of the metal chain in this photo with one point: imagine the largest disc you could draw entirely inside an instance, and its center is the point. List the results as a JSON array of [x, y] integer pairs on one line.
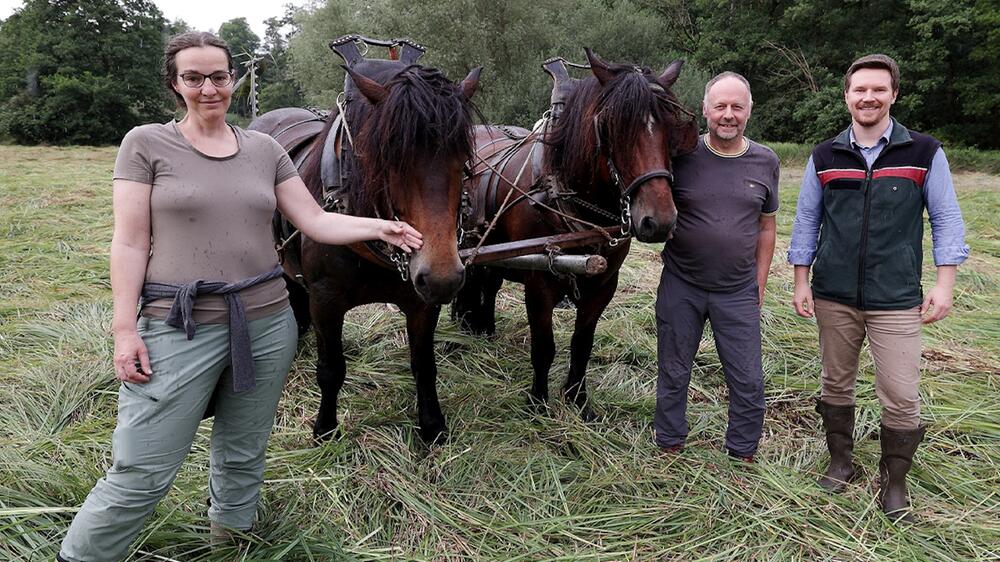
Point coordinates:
[[553, 251], [591, 207], [402, 261]]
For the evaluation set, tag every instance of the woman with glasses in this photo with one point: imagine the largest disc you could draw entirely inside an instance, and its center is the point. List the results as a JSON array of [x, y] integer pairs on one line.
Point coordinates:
[[193, 251]]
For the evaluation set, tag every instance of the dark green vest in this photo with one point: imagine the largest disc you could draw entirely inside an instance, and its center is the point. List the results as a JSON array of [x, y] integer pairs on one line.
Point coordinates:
[[869, 254]]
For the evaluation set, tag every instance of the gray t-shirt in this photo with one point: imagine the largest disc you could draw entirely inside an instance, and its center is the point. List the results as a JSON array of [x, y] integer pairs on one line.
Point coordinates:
[[719, 203], [210, 217]]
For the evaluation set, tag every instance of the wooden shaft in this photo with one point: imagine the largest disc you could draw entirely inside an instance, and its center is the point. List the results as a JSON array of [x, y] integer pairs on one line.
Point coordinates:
[[578, 265], [494, 252]]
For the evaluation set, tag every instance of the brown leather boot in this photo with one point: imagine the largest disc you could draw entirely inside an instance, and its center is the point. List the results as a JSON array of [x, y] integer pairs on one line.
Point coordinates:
[[898, 447], [838, 421], [220, 535]]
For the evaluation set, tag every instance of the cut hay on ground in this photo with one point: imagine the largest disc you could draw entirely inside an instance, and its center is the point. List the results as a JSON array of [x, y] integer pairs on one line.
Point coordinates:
[[510, 484]]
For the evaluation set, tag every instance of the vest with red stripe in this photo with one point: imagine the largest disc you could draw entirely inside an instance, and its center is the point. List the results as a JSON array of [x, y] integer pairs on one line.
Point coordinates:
[[869, 253]]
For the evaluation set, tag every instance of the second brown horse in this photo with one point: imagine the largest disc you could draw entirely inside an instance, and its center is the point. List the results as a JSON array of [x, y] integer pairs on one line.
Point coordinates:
[[606, 157]]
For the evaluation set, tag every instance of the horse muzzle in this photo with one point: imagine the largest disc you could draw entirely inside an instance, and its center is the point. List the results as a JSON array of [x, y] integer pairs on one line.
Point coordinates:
[[436, 283], [654, 229]]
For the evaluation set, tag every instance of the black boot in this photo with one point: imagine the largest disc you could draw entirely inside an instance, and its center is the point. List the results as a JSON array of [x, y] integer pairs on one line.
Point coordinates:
[[838, 421], [898, 447]]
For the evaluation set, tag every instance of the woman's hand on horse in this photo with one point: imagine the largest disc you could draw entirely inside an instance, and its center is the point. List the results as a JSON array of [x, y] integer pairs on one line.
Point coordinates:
[[402, 235], [131, 358]]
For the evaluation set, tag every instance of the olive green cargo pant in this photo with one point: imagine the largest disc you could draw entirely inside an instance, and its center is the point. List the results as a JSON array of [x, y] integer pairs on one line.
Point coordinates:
[[157, 422]]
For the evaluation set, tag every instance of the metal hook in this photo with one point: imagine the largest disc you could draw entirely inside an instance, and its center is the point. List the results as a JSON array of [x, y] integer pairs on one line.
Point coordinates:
[[626, 216], [362, 47], [402, 262]]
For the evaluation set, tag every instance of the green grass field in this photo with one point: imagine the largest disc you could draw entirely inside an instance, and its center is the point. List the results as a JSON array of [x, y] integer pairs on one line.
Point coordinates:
[[510, 484]]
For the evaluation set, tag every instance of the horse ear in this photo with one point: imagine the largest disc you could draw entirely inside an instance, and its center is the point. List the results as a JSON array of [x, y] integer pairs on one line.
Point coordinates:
[[684, 139], [369, 88], [471, 82], [601, 69], [670, 75]]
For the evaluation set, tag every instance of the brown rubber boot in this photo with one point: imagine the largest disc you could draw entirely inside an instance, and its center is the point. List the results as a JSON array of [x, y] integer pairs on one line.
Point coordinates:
[[898, 447], [838, 421]]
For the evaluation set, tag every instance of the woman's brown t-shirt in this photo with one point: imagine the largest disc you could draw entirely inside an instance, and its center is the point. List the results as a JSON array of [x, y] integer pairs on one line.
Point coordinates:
[[210, 217]]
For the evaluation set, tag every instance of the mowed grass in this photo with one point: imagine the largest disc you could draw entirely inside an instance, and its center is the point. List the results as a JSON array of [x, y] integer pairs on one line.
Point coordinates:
[[510, 484]]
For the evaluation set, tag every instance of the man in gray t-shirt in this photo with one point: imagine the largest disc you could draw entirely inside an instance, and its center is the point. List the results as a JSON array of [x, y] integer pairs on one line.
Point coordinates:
[[715, 268]]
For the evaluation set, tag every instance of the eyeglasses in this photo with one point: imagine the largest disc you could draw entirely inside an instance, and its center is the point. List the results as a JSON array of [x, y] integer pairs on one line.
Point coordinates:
[[220, 79]]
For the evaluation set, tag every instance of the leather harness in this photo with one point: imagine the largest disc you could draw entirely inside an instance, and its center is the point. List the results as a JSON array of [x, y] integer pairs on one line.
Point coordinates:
[[546, 189]]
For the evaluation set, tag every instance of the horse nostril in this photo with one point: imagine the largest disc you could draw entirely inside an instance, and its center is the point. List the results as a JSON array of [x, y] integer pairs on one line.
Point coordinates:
[[420, 280], [647, 226]]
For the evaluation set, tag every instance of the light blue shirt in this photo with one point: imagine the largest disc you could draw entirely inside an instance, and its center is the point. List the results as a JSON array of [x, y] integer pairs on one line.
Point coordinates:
[[947, 228]]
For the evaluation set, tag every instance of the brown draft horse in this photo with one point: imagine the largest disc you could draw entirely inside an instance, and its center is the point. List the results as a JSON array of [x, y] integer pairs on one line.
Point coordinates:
[[610, 149], [412, 135]]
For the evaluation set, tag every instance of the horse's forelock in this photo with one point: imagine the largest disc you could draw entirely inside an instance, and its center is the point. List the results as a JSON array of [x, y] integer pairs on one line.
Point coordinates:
[[424, 118], [626, 108]]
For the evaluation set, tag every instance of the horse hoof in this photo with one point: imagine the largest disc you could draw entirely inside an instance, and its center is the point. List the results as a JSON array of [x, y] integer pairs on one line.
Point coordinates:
[[587, 413], [473, 326], [478, 330], [451, 346], [322, 435], [434, 437], [537, 405]]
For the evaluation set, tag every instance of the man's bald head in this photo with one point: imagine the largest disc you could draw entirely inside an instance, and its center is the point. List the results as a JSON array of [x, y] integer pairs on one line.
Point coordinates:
[[726, 108], [727, 75]]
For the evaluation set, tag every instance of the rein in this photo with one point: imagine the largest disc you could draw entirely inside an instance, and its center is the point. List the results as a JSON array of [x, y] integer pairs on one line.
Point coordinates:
[[507, 203]]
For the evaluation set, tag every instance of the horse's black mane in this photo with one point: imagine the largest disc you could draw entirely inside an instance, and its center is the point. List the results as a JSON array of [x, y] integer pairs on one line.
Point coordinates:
[[425, 116], [623, 109]]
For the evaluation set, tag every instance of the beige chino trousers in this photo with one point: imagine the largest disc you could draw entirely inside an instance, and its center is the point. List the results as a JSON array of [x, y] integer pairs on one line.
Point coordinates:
[[894, 339]]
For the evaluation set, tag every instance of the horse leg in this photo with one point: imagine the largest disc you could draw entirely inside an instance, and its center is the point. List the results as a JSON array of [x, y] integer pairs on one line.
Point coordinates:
[[588, 312], [299, 299], [421, 321], [539, 300], [331, 370], [475, 305]]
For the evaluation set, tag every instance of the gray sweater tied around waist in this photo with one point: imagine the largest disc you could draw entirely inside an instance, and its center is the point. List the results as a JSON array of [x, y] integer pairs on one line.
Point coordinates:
[[181, 316]]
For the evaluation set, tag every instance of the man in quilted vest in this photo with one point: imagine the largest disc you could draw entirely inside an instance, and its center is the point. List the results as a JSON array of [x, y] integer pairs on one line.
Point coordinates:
[[863, 197]]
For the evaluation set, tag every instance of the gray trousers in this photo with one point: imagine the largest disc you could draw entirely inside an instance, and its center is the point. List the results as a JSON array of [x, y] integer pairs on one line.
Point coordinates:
[[156, 426], [681, 311]]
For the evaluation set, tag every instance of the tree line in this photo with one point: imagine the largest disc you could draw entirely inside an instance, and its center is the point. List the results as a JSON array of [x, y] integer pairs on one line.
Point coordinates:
[[85, 71]]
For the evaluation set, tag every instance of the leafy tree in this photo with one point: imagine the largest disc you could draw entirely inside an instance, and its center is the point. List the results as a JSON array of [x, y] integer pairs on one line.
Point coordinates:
[[243, 42], [177, 27], [509, 39], [80, 71], [794, 53], [278, 89], [314, 67]]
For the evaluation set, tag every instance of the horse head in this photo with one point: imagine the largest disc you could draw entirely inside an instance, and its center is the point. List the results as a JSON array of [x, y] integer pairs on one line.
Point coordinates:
[[622, 126], [413, 135]]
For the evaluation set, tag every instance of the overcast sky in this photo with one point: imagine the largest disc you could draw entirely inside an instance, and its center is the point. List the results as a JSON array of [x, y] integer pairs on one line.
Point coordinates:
[[205, 14]]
